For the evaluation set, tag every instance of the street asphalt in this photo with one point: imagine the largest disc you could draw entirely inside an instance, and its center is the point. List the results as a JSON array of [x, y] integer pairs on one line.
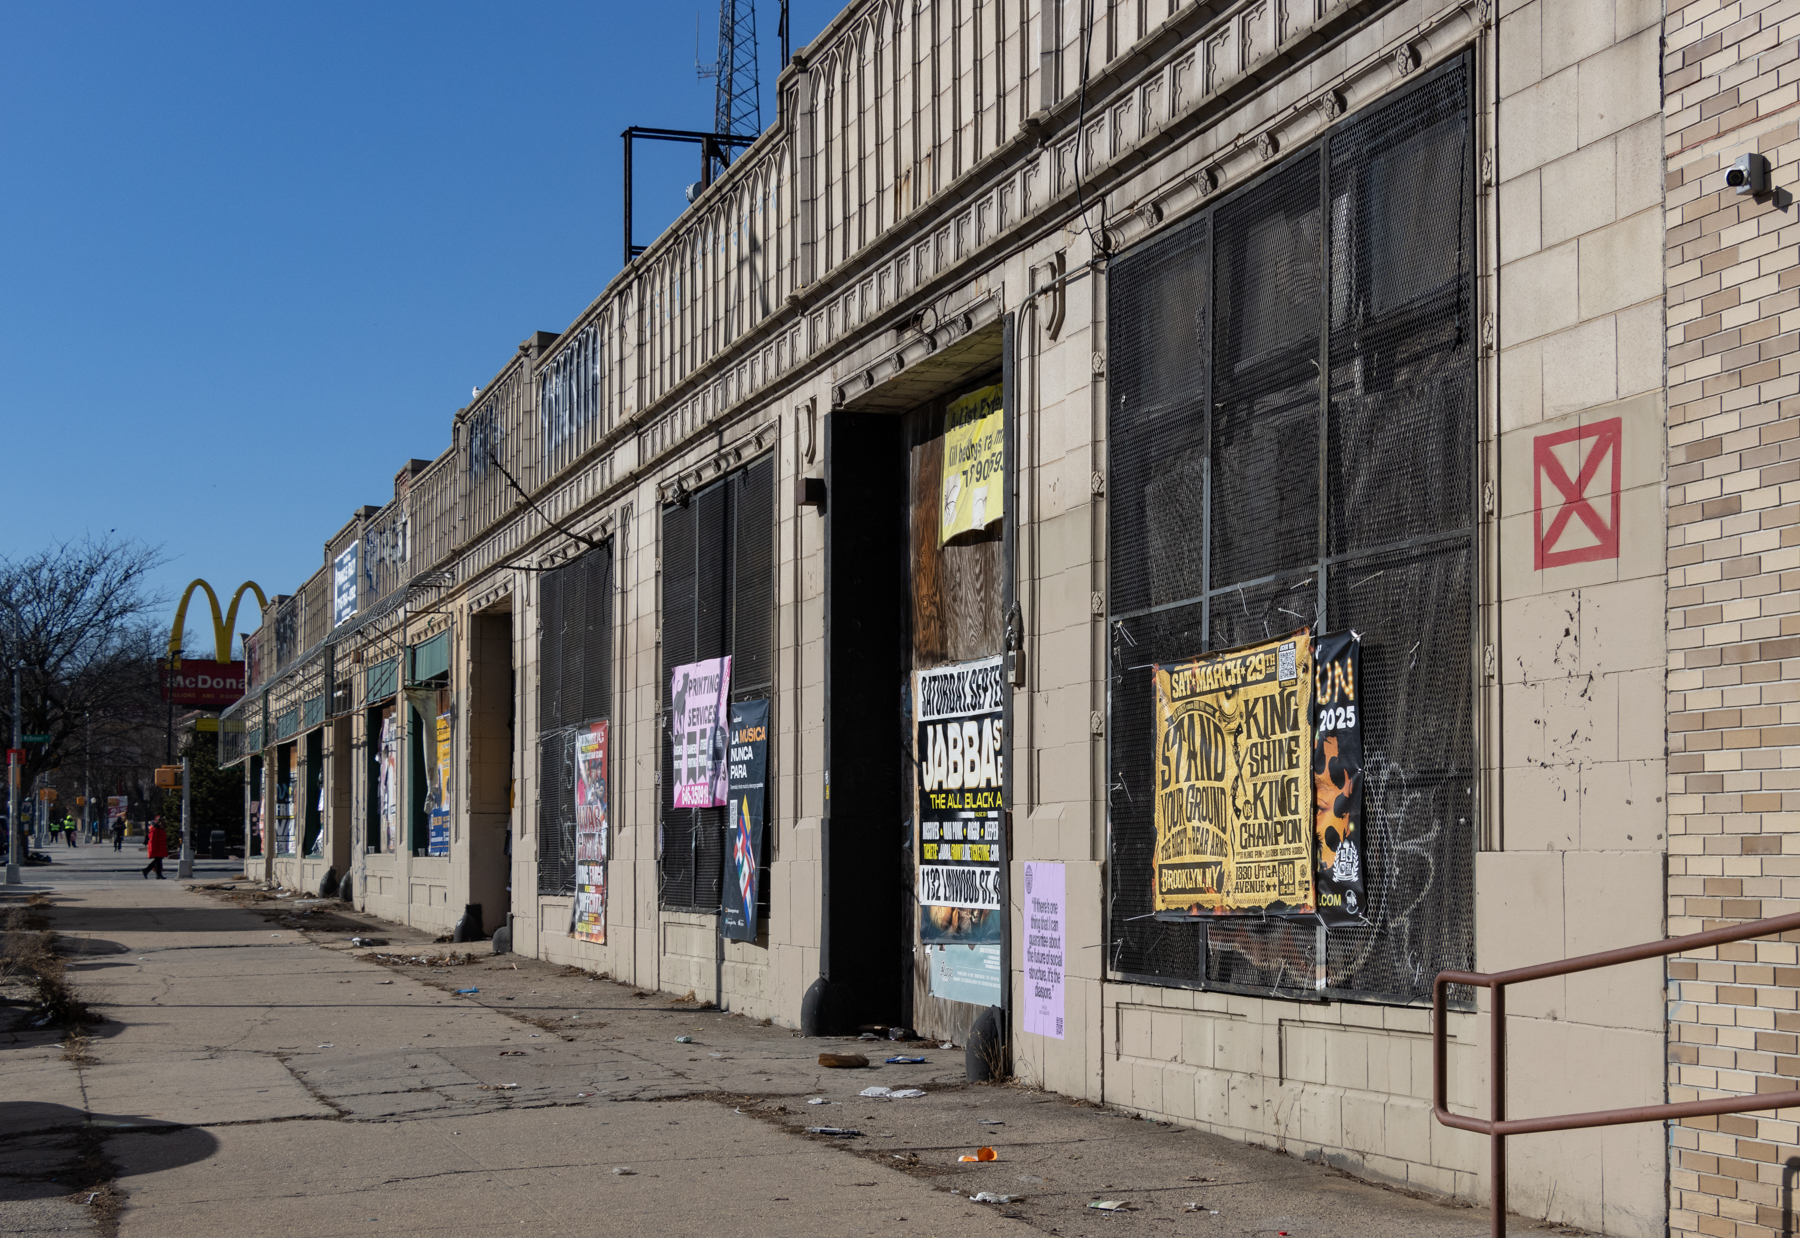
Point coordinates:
[[258, 1074]]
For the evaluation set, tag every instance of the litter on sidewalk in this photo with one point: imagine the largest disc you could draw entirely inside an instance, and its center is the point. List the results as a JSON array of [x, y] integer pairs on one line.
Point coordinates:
[[842, 1061], [981, 1154]]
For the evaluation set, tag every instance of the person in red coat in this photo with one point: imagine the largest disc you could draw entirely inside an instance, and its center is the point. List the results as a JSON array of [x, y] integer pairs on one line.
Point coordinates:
[[158, 842]]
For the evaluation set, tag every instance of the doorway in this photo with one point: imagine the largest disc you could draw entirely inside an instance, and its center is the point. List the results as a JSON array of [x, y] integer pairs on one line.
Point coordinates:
[[492, 715], [340, 829], [951, 684]]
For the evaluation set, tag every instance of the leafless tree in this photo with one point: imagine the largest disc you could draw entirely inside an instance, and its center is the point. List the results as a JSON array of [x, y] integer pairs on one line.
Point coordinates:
[[76, 617]]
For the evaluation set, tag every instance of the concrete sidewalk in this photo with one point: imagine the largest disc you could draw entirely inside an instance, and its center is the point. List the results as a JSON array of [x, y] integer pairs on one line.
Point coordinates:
[[257, 1075]]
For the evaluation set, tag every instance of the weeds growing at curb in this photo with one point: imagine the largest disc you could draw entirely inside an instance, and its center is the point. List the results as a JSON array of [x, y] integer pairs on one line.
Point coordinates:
[[30, 955], [75, 1049]]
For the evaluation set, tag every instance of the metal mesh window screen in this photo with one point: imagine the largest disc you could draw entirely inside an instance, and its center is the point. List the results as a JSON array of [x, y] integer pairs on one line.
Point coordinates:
[[574, 688], [1307, 456], [753, 581], [1265, 400], [718, 598], [1158, 431]]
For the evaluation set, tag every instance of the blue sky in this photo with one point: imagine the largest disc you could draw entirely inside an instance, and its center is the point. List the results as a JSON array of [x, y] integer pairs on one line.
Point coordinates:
[[256, 255]]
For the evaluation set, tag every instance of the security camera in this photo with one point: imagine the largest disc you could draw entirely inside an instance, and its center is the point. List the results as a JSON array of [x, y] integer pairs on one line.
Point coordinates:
[[1750, 174]]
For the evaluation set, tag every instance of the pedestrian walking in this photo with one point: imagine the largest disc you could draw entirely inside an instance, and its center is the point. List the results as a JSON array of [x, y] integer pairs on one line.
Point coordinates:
[[157, 843], [118, 831], [69, 830]]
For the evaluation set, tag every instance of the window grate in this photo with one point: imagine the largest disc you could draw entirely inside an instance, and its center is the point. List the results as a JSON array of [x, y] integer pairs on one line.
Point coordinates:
[[718, 598], [574, 689], [1292, 441]]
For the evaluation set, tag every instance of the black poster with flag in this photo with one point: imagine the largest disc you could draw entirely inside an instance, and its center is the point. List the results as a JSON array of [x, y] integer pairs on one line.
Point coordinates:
[[1340, 849], [747, 767]]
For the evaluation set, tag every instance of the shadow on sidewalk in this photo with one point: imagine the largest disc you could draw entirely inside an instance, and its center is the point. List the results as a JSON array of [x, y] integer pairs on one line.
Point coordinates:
[[49, 1150], [75, 915]]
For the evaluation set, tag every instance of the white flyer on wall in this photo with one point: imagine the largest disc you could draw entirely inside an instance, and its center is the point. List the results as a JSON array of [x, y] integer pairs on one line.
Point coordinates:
[[343, 585], [698, 692], [1045, 938]]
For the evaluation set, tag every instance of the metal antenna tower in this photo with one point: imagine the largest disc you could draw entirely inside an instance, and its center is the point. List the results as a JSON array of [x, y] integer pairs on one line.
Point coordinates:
[[737, 101]]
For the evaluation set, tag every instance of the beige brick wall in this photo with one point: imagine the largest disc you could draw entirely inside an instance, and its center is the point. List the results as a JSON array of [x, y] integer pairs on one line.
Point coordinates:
[[1575, 861], [1734, 461]]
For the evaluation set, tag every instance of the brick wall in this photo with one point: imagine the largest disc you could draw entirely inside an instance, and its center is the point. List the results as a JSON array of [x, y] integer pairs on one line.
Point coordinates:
[[1734, 630]]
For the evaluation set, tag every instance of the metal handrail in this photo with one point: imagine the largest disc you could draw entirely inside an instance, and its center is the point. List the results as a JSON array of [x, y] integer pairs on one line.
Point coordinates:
[[1499, 1126]]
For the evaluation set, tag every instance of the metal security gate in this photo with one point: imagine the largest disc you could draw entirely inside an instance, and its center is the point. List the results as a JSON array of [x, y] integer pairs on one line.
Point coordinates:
[[1292, 437], [575, 607], [718, 598]]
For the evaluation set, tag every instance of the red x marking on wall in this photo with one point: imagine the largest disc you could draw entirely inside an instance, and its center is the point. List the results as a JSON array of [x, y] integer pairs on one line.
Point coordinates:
[[1596, 447]]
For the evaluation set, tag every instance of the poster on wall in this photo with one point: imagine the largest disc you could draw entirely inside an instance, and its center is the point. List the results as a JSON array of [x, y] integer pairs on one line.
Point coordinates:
[[284, 816], [960, 762], [387, 790], [965, 973], [1233, 817], [1337, 768], [589, 913], [1045, 942], [747, 757], [115, 808], [438, 840], [973, 496], [343, 584], [698, 692], [590, 786]]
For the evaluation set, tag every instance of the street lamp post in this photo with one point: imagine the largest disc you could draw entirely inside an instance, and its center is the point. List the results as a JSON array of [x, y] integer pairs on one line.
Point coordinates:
[[15, 835], [187, 818]]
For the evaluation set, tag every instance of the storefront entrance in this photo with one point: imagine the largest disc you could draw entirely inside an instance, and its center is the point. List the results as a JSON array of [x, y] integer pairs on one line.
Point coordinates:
[[913, 929]]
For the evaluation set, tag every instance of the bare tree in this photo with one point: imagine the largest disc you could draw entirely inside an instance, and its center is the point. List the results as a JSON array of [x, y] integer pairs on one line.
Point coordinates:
[[77, 617]]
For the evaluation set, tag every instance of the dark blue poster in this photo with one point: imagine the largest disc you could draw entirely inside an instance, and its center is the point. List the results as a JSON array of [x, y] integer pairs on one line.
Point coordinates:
[[1341, 851], [747, 766]]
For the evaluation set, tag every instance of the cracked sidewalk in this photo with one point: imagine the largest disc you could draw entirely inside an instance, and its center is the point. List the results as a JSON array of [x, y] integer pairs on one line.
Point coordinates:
[[255, 1066]]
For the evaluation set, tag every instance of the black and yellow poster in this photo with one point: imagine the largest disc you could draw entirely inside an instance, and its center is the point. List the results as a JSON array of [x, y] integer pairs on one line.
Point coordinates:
[[1234, 800], [1337, 768], [961, 762], [973, 496]]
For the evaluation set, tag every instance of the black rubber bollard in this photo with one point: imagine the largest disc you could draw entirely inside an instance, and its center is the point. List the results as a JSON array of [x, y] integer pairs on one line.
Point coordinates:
[[822, 1009], [984, 1055], [469, 927]]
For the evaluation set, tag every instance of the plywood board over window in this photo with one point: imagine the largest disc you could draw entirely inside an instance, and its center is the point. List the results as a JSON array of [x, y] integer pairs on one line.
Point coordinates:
[[955, 616]]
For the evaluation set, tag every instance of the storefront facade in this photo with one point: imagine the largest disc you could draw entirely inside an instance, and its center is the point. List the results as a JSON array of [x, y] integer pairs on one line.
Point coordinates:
[[824, 623]]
